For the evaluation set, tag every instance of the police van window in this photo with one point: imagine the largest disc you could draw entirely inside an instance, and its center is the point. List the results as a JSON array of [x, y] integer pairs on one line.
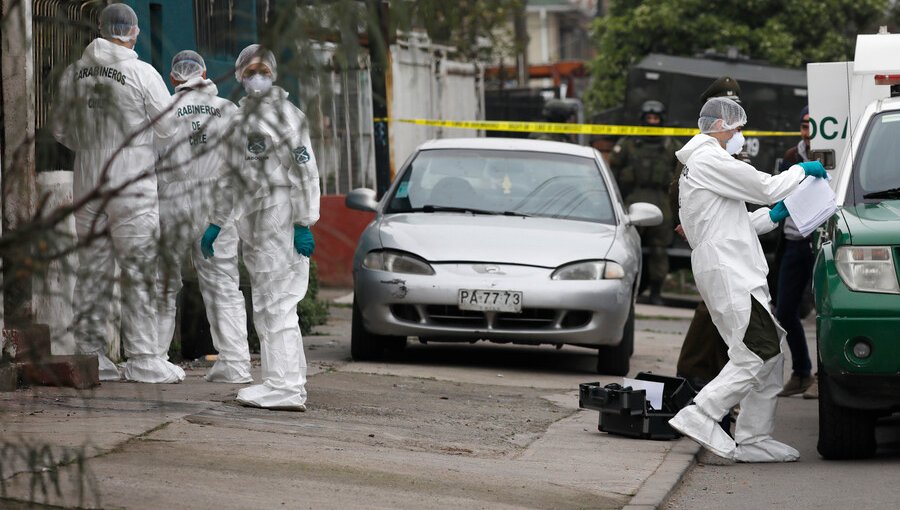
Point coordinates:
[[878, 169]]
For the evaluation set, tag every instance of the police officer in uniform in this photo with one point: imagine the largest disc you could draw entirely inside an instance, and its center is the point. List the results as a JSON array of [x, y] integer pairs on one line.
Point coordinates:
[[643, 166], [556, 110]]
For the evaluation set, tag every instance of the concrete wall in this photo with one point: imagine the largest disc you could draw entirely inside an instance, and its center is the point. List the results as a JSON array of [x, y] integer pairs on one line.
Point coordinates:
[[17, 137], [54, 289]]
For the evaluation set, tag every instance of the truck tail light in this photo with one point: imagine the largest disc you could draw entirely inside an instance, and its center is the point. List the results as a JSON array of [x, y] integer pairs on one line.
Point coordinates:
[[887, 79]]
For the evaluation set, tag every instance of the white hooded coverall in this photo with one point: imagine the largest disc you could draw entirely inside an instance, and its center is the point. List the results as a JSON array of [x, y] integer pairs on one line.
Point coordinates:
[[106, 103], [730, 269], [187, 171], [276, 186]]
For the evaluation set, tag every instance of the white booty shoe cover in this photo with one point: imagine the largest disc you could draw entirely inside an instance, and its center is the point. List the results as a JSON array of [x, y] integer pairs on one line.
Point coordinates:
[[152, 369], [234, 372], [765, 450], [107, 369], [262, 395], [697, 425]]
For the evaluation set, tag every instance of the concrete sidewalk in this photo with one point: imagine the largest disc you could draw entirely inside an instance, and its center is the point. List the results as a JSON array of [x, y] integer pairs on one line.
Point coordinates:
[[399, 435]]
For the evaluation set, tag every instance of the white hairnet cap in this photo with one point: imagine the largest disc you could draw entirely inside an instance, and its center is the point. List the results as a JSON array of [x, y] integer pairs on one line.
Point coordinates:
[[254, 54], [721, 114], [187, 64], [118, 21]]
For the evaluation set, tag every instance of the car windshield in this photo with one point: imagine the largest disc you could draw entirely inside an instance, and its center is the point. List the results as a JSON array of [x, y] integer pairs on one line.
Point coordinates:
[[504, 182], [876, 175]]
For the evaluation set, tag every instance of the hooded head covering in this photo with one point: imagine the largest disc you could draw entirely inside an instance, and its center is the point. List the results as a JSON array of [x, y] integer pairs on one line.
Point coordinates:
[[255, 54], [187, 64], [721, 114], [118, 21]]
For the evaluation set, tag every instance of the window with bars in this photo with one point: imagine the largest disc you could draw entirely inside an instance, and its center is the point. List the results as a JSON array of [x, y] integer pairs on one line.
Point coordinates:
[[214, 23], [61, 31]]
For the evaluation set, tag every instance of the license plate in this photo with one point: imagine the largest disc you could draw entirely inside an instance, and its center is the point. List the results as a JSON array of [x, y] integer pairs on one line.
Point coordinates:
[[490, 300]]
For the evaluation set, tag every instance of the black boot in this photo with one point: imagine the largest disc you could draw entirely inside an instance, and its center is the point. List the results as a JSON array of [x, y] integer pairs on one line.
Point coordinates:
[[655, 294]]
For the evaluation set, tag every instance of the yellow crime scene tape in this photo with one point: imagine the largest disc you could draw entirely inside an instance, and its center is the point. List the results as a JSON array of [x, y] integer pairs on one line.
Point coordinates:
[[562, 127]]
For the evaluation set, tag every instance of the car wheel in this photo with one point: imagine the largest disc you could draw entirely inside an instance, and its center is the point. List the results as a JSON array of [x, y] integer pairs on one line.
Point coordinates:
[[844, 433], [616, 360], [365, 346]]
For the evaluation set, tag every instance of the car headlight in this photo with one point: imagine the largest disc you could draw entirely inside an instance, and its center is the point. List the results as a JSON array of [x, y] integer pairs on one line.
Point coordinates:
[[396, 262], [867, 268], [590, 270]]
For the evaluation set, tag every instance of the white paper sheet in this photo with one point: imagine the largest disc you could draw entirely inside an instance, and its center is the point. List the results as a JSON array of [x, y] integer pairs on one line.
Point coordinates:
[[654, 390], [811, 204]]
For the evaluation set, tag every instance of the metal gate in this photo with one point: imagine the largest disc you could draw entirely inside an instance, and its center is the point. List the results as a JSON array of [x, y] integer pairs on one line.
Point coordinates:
[[62, 29], [427, 85], [338, 105]]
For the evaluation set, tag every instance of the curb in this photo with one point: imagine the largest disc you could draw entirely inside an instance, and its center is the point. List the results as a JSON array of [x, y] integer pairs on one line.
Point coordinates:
[[660, 485]]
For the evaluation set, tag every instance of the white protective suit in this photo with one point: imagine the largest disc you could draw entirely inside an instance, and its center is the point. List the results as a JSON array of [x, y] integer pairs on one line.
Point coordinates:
[[276, 187], [106, 102], [188, 171], [730, 269]]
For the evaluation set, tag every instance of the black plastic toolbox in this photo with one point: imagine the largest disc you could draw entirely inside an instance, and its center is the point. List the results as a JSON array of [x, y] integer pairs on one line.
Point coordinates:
[[627, 412]]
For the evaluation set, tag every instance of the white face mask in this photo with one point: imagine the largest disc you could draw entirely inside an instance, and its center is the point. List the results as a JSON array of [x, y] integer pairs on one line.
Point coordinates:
[[735, 143], [257, 84]]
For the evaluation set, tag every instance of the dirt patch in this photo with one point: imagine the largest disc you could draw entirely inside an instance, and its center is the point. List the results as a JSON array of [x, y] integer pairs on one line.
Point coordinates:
[[406, 413]]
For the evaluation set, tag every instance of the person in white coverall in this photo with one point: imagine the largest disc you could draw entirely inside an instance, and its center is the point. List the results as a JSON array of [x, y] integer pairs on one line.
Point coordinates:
[[109, 110], [188, 170], [730, 271], [275, 193]]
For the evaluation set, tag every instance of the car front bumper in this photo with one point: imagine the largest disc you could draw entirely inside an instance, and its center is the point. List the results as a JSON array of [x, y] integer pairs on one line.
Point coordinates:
[[845, 318], [871, 383], [587, 313]]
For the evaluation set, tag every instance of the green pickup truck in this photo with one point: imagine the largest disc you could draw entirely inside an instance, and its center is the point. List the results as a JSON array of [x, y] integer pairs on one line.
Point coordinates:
[[857, 291]]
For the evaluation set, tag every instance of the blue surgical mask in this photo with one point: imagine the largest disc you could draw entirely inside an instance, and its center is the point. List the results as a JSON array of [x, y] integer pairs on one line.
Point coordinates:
[[735, 143], [257, 84]]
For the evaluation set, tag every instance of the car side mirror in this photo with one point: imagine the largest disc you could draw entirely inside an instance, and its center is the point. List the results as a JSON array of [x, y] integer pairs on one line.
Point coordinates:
[[642, 214], [361, 199]]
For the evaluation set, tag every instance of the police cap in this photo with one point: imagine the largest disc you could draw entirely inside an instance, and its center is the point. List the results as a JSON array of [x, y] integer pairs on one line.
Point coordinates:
[[726, 86]]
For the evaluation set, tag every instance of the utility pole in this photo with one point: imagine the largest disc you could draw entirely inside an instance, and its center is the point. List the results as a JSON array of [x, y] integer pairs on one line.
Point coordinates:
[[380, 38], [17, 148], [521, 35]]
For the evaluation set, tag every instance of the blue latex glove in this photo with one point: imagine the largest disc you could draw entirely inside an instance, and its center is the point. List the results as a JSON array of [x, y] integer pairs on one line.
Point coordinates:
[[779, 212], [814, 168], [303, 241], [209, 237]]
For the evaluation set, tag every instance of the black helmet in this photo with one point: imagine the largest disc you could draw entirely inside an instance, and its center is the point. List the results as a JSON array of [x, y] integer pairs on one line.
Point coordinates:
[[653, 106], [557, 110]]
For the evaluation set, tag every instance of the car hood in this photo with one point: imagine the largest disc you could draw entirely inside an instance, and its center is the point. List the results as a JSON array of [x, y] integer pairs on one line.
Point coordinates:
[[544, 242], [874, 224]]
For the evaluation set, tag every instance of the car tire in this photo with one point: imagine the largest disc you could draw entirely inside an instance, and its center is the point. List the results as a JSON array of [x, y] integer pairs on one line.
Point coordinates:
[[844, 433], [366, 346], [616, 359]]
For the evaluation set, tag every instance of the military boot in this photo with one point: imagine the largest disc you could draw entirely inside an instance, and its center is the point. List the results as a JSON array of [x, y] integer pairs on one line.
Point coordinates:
[[656, 294]]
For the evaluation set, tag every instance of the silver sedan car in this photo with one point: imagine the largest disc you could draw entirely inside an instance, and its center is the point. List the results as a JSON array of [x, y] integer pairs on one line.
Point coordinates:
[[505, 240]]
